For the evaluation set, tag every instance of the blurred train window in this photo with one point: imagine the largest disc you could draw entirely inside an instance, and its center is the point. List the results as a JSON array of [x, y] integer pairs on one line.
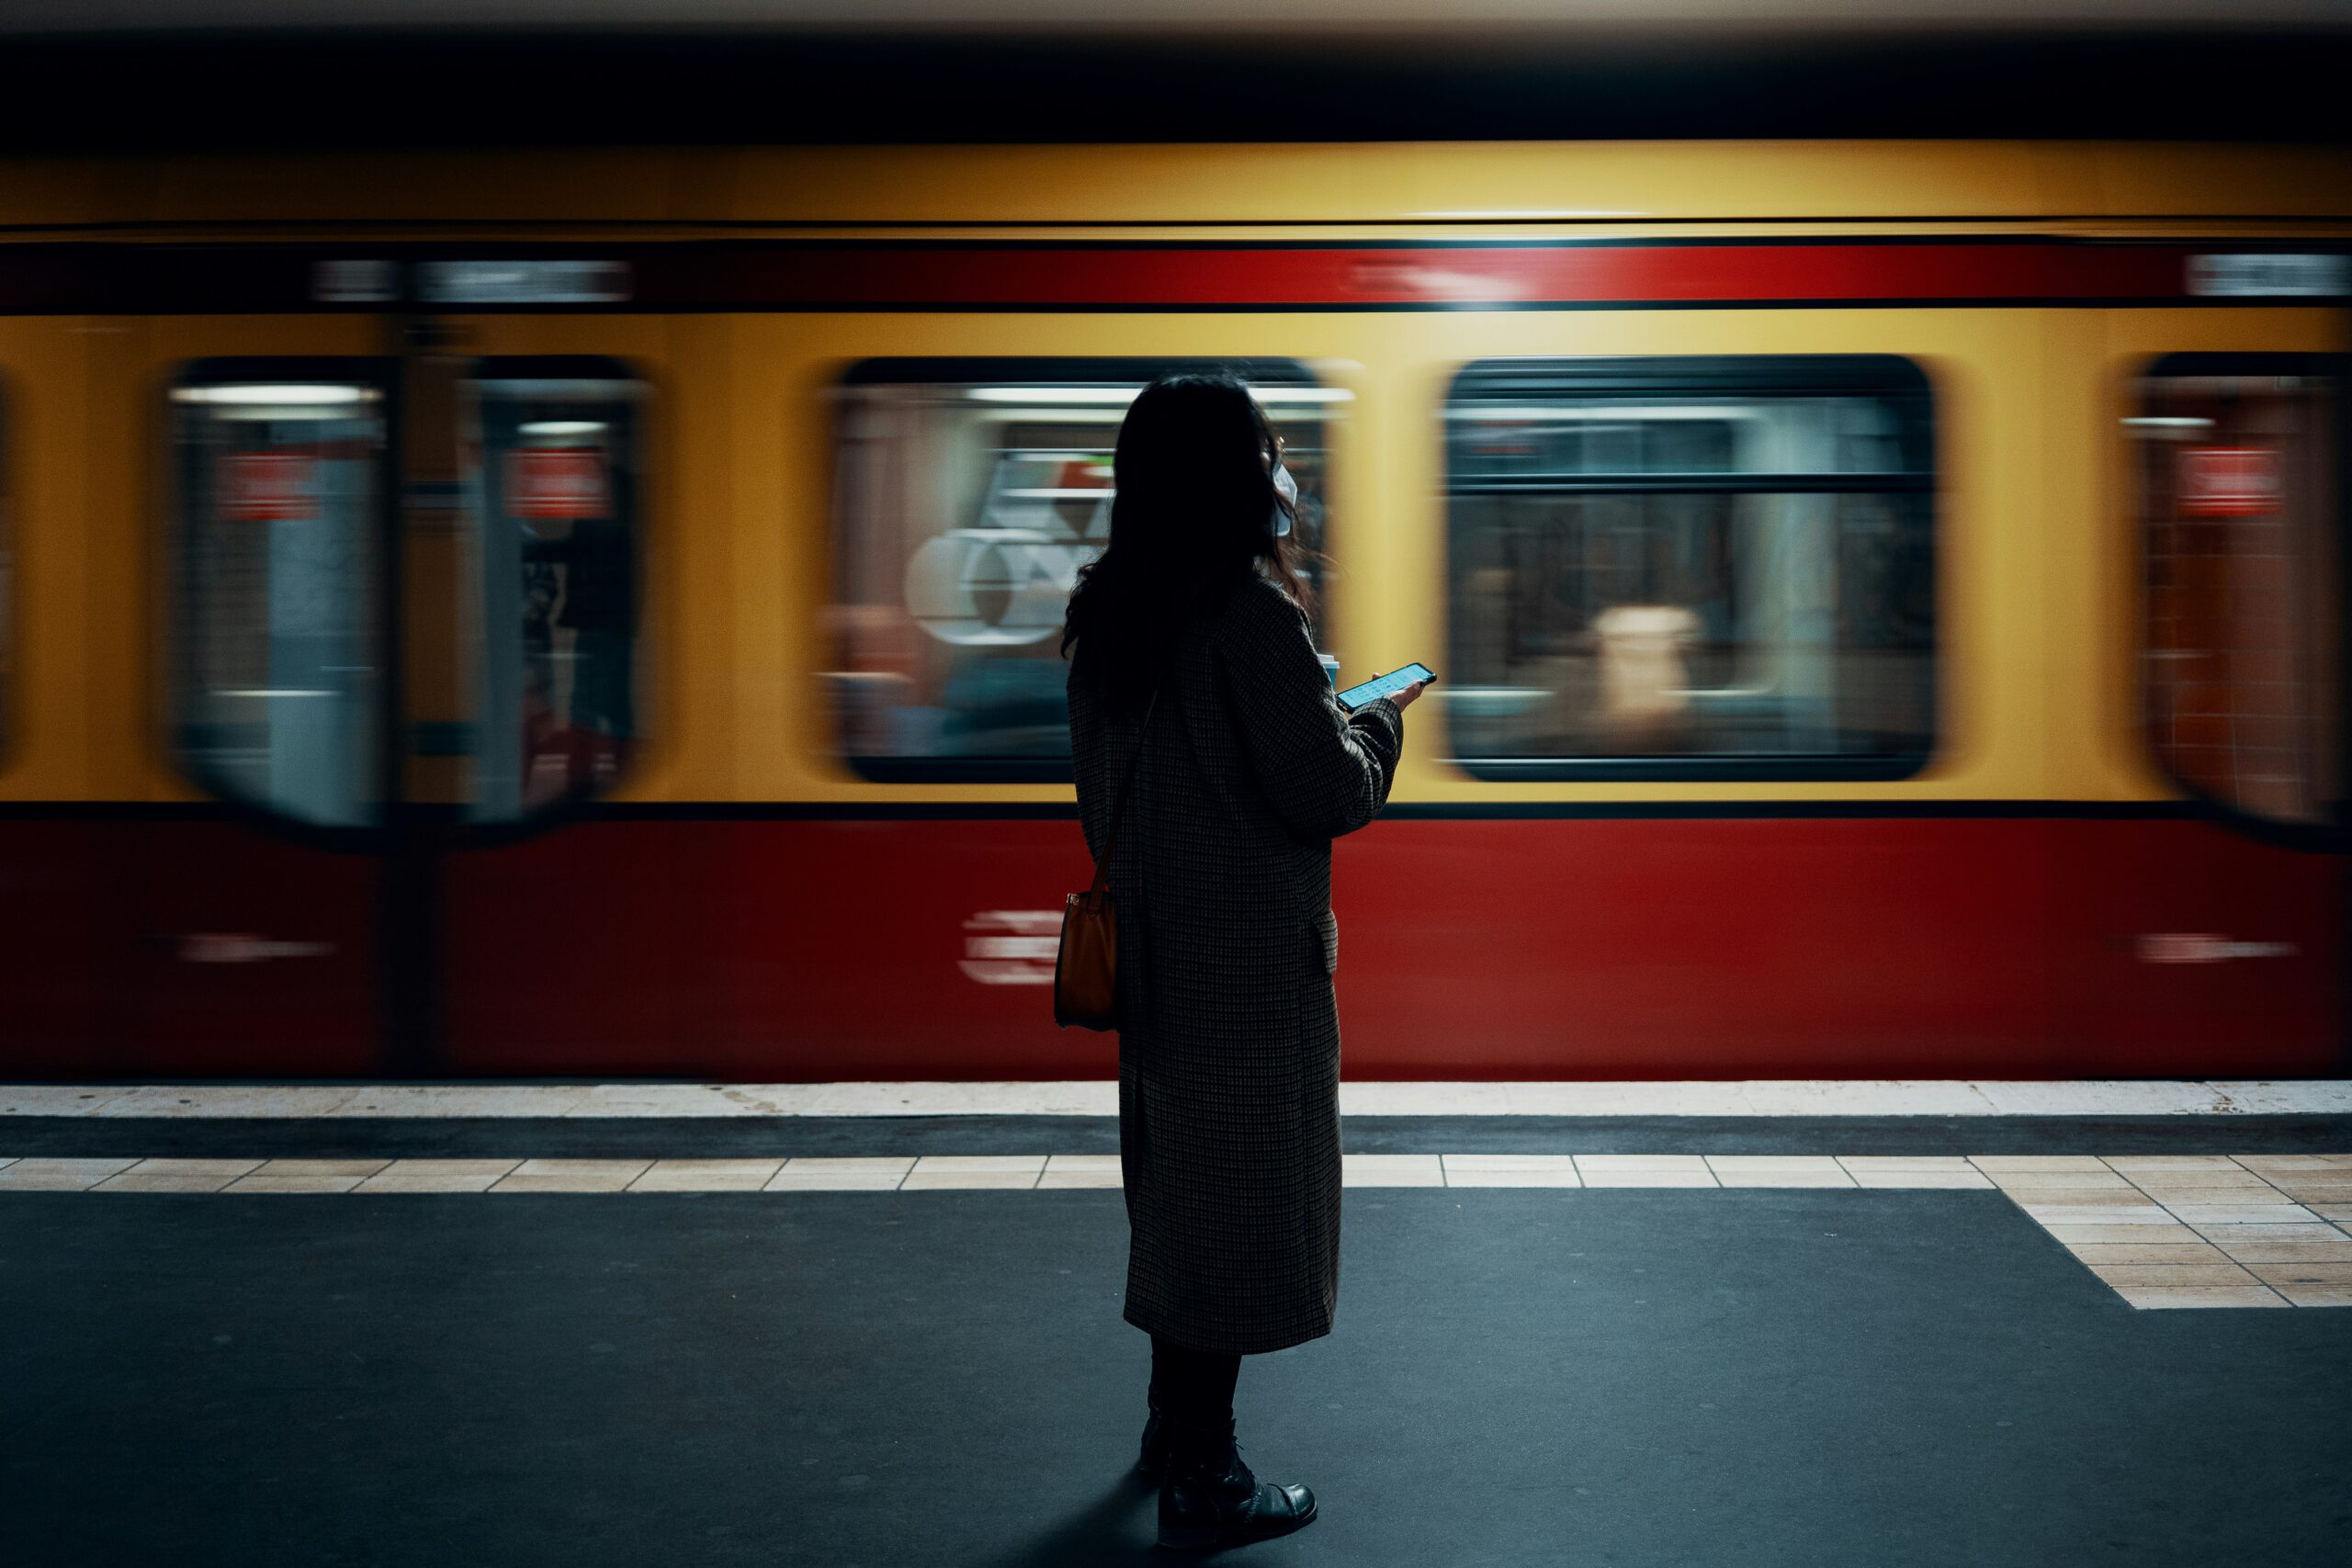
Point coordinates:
[[967, 494], [279, 473], [1678, 568], [2240, 469], [554, 464]]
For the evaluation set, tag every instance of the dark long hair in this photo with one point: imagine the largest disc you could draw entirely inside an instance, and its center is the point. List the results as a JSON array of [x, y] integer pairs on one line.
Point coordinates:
[[1194, 512]]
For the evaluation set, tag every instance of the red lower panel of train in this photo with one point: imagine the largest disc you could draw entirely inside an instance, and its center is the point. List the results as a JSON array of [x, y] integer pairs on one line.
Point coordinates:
[[187, 946], [783, 950]]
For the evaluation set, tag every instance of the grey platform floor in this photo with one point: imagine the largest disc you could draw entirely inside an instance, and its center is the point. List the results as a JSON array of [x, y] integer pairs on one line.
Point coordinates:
[[1519, 1376]]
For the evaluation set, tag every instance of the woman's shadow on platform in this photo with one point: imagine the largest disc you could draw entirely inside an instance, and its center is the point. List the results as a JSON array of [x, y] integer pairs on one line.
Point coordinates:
[[1116, 1527]]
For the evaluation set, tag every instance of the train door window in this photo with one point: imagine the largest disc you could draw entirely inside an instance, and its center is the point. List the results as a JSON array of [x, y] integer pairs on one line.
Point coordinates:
[[2239, 469], [554, 463], [1691, 567], [278, 570], [967, 494]]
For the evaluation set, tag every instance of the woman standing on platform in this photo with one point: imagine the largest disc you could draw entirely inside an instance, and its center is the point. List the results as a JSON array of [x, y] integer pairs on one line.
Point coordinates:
[[1229, 1031]]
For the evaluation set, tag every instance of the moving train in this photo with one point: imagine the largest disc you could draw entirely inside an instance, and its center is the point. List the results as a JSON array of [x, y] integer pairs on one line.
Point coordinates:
[[596, 612]]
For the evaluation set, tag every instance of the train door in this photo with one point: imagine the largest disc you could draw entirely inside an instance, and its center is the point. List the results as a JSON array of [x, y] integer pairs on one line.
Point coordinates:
[[535, 925], [403, 602], [252, 929], [2226, 927]]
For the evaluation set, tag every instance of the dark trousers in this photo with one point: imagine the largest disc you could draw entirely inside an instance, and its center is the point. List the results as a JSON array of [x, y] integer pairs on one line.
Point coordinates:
[[1194, 1388]]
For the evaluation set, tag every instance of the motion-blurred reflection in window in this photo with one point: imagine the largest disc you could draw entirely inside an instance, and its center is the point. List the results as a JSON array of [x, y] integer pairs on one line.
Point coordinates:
[[555, 469], [1691, 567], [278, 562], [2238, 467], [968, 493]]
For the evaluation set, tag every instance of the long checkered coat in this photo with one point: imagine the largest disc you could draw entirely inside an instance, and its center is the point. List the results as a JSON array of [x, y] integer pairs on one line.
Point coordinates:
[[1229, 1037]]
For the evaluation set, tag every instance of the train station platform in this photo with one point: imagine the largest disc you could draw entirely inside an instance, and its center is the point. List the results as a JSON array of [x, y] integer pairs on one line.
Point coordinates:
[[879, 1324]]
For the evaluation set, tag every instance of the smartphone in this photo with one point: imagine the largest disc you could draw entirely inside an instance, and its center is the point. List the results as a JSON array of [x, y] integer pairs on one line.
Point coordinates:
[[1385, 685]]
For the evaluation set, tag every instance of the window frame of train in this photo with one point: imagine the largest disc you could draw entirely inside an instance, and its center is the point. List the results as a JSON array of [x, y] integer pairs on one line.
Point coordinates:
[[2233, 488], [861, 467], [1517, 393], [570, 387], [361, 755]]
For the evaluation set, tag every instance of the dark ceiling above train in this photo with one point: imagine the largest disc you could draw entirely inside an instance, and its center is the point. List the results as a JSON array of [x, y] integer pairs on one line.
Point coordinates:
[[348, 87], [1091, 17]]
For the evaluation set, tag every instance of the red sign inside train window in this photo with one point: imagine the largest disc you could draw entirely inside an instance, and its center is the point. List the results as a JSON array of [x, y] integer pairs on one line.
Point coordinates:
[[266, 486], [556, 481], [2229, 481]]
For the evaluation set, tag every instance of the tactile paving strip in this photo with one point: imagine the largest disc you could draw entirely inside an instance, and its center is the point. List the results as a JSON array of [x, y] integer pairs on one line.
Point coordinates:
[[2161, 1230]]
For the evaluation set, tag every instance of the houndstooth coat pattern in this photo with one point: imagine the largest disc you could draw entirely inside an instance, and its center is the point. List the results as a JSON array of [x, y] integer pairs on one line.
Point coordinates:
[[1230, 1028]]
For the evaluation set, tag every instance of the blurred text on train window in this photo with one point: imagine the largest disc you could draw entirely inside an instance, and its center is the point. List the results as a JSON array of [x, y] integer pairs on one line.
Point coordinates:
[[553, 459], [1691, 567], [279, 469], [2239, 475], [968, 493]]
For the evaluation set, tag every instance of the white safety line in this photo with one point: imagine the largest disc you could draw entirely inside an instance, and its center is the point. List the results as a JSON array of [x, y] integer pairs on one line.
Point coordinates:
[[1760, 1097]]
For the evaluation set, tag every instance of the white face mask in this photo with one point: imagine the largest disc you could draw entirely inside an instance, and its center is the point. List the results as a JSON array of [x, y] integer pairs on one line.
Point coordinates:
[[1287, 488]]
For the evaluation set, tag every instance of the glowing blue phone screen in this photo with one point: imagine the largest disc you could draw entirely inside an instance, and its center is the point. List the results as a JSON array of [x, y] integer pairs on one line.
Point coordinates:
[[1385, 685]]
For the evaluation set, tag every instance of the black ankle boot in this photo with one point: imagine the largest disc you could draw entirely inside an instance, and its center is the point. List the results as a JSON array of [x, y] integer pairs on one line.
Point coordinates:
[[1211, 1499]]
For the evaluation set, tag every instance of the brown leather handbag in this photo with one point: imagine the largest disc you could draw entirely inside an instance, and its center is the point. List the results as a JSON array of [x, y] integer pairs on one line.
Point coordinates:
[[1086, 967]]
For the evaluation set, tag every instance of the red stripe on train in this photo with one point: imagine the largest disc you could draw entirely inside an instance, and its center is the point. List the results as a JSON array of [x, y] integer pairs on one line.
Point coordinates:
[[83, 276], [1467, 277]]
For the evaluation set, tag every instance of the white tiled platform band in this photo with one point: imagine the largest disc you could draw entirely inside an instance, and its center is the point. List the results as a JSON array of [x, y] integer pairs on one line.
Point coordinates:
[[2162, 1230], [1911, 1097]]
